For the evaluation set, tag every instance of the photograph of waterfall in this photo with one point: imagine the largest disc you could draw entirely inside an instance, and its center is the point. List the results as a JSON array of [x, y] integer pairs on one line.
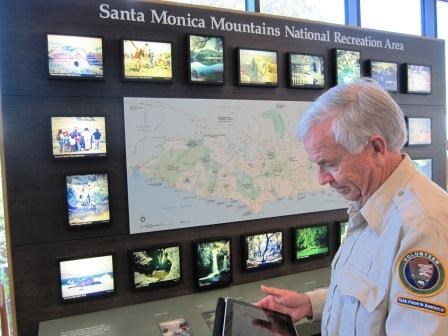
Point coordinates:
[[262, 250], [213, 263]]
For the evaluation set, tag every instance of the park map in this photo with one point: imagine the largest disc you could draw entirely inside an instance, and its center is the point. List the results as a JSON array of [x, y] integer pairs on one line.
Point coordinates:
[[193, 162]]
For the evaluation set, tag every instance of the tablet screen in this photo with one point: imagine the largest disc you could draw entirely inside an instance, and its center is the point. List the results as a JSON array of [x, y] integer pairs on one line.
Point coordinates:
[[242, 318]]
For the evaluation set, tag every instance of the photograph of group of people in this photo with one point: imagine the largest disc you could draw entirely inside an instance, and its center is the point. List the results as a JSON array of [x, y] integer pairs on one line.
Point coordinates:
[[78, 136]]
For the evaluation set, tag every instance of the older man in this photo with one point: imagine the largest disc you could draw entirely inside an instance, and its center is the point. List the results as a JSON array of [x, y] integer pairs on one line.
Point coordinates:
[[389, 275]]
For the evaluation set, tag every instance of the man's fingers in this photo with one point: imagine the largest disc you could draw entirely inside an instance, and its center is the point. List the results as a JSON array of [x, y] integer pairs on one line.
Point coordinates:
[[270, 302], [263, 302], [277, 293]]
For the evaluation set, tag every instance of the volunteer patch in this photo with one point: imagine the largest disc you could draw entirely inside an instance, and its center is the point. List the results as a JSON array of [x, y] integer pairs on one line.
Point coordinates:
[[422, 305], [421, 273]]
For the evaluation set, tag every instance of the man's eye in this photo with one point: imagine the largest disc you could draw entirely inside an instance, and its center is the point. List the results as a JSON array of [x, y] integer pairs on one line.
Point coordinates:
[[331, 166]]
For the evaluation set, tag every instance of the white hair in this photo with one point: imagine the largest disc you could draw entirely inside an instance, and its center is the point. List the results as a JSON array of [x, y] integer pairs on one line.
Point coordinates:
[[357, 111]]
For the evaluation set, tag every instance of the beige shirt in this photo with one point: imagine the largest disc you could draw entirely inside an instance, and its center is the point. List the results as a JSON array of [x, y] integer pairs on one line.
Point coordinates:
[[389, 275]]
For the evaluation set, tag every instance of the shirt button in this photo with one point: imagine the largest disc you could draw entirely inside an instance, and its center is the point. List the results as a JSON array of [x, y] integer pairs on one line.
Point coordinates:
[[400, 193], [353, 300]]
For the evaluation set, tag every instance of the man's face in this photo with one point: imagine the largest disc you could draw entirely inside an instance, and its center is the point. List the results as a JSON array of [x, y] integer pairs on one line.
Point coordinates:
[[349, 174]]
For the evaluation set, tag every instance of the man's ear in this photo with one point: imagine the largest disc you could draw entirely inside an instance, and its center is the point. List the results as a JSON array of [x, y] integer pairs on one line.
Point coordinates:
[[379, 148]]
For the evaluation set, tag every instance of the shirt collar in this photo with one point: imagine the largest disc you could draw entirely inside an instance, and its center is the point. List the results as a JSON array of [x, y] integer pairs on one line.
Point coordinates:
[[375, 209], [356, 217]]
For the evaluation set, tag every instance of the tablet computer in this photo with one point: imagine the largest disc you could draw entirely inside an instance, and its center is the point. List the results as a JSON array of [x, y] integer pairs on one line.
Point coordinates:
[[241, 318]]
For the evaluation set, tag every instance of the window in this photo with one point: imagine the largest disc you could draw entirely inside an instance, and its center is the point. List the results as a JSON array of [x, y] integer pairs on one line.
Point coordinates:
[[442, 33], [229, 4], [400, 16], [332, 11], [442, 29], [4, 273]]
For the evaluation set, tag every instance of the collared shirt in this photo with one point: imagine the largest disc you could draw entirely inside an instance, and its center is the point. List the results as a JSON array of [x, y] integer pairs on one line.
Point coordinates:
[[389, 275]]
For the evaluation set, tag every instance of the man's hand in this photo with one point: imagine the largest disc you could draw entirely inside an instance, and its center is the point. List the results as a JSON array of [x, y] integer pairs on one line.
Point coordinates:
[[297, 305]]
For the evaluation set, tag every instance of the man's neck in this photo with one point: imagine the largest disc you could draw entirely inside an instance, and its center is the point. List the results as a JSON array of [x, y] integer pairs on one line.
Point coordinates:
[[393, 161]]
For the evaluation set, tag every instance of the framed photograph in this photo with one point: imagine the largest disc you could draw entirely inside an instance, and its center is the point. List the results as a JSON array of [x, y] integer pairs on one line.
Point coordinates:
[[86, 277], [310, 242], [262, 250], [179, 327], [78, 137], [342, 231], [205, 59], [87, 200], [155, 267], [419, 131], [424, 166], [257, 67], [385, 74], [149, 61], [75, 57], [306, 71], [348, 66], [418, 78], [212, 263]]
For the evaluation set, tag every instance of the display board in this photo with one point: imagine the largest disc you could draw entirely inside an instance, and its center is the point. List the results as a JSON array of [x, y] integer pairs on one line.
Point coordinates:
[[193, 162], [38, 87]]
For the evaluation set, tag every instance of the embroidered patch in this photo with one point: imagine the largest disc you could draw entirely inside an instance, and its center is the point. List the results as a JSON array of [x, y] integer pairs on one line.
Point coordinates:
[[422, 305], [421, 273]]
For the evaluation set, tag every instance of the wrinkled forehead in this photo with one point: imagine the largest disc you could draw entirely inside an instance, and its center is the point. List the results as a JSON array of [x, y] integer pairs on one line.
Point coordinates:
[[319, 141], [320, 132]]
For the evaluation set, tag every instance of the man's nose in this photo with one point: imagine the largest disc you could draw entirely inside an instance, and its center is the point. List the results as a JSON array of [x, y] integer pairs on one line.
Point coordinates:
[[324, 176]]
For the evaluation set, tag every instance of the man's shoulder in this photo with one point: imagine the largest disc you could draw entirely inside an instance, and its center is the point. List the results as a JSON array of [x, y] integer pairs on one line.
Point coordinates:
[[421, 204]]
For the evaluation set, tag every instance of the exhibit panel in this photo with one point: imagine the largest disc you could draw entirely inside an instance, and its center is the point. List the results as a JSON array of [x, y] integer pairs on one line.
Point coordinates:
[[135, 127], [195, 311]]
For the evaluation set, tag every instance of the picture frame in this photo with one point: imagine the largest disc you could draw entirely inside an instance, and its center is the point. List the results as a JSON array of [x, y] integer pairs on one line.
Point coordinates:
[[419, 131], [306, 71], [310, 242], [87, 197], [262, 250], [179, 326], [342, 229], [424, 166], [147, 60], [206, 62], [385, 74], [417, 78], [79, 137], [155, 266], [86, 277], [212, 263], [75, 56], [348, 65], [257, 67]]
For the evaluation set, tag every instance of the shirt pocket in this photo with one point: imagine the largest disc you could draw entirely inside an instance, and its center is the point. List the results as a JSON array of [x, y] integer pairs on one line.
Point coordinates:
[[367, 291]]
